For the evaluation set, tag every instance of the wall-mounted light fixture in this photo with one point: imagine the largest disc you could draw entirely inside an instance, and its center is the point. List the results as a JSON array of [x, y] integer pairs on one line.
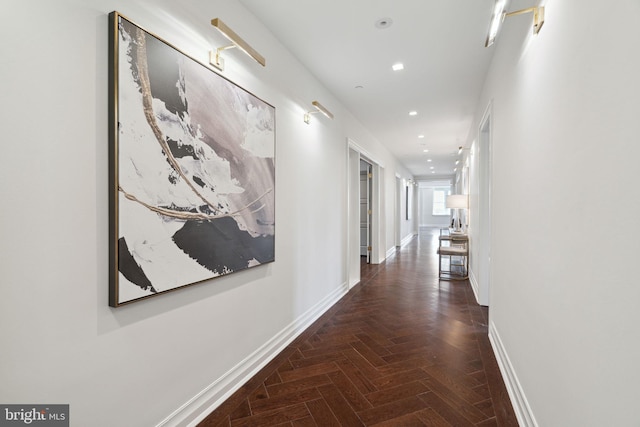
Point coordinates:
[[214, 56], [319, 109], [499, 14], [461, 149]]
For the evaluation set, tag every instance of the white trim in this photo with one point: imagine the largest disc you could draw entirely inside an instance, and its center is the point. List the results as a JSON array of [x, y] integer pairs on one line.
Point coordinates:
[[376, 210], [521, 407], [346, 218], [390, 251], [352, 266], [474, 284], [407, 239], [363, 153], [485, 237], [202, 404], [397, 211], [377, 198], [353, 282]]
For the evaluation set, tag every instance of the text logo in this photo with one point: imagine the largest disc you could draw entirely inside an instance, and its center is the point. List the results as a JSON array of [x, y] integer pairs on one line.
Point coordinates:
[[34, 415]]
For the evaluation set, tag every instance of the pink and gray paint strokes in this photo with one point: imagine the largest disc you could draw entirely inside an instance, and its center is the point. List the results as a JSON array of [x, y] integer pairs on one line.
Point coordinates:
[[195, 170]]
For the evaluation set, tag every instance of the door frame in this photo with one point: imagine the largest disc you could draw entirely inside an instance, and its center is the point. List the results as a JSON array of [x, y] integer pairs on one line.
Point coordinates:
[[397, 224], [480, 244], [368, 178], [354, 154]]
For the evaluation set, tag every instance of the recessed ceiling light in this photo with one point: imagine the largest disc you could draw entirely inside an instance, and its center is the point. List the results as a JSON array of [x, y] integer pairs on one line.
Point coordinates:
[[413, 113], [433, 171], [425, 151], [397, 67], [383, 23], [455, 169], [420, 136], [429, 160], [431, 167], [457, 161]]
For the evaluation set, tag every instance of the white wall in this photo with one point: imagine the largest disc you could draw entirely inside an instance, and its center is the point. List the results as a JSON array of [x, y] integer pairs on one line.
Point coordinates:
[[408, 226], [564, 298], [425, 201], [136, 364]]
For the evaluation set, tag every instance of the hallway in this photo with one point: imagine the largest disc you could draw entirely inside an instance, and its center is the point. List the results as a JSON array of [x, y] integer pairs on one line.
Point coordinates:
[[400, 349]]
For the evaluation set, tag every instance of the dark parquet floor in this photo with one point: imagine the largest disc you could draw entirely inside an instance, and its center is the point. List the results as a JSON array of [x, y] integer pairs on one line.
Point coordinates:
[[400, 349]]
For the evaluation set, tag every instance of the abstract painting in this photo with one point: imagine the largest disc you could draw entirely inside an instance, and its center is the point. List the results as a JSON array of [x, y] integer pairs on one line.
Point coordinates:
[[192, 169]]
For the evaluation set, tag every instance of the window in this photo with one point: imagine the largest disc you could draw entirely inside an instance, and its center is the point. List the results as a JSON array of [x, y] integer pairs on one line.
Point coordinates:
[[439, 199]]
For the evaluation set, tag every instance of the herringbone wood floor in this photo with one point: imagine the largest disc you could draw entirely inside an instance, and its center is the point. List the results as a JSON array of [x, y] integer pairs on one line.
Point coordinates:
[[400, 349]]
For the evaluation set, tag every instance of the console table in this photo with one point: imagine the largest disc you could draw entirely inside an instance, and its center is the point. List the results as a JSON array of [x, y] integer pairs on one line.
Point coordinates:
[[454, 247]]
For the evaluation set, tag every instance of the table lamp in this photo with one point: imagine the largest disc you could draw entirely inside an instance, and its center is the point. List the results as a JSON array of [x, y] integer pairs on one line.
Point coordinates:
[[457, 202]]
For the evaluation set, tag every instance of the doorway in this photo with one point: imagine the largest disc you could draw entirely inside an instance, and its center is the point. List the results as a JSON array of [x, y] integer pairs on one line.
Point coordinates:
[[366, 185], [365, 220], [398, 213], [483, 232]]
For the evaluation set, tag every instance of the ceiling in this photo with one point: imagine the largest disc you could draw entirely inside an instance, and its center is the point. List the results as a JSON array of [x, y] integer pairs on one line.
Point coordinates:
[[440, 43]]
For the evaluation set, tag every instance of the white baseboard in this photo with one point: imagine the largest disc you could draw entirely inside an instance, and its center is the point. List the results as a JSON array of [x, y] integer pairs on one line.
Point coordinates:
[[474, 284], [407, 239], [516, 393], [198, 407], [391, 251]]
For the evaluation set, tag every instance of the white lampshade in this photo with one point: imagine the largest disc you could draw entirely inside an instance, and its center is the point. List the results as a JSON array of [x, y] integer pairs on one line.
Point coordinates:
[[457, 201]]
